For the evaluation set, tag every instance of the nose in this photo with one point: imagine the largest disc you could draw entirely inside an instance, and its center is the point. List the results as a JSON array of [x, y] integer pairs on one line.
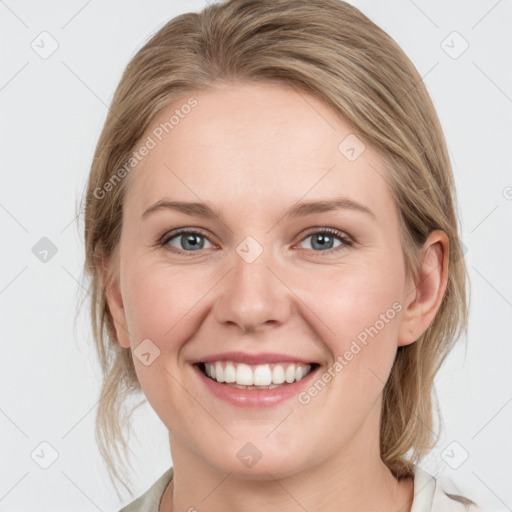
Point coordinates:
[[253, 296]]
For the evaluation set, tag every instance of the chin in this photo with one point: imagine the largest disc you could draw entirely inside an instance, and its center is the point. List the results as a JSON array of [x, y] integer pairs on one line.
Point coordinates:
[[255, 461]]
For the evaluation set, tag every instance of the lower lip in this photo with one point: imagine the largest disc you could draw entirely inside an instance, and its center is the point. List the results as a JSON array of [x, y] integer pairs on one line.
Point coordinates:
[[255, 397]]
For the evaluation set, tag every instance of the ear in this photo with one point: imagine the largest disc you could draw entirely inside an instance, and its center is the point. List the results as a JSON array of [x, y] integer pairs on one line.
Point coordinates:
[[110, 280], [424, 299]]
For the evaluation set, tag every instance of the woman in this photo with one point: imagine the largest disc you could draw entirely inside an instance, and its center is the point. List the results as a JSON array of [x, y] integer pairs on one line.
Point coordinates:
[[272, 240]]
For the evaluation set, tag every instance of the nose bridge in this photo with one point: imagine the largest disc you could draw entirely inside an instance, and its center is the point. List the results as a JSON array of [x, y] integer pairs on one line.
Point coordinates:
[[252, 295]]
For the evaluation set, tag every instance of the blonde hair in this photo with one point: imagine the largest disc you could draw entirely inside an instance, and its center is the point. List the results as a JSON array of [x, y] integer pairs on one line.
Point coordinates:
[[329, 49]]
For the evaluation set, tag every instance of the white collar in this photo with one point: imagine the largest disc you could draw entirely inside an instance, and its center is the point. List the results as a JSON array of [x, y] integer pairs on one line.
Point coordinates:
[[430, 495]]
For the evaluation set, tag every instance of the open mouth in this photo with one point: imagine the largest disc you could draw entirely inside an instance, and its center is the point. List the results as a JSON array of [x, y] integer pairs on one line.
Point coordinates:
[[261, 376]]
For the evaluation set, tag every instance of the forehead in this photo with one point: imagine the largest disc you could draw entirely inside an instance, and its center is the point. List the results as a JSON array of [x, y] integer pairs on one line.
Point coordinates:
[[243, 144]]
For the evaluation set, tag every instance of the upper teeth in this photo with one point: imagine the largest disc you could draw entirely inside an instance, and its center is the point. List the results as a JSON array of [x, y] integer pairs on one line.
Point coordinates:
[[257, 375]]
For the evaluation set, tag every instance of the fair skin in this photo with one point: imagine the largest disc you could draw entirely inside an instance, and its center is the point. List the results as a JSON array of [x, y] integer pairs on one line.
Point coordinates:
[[252, 151]]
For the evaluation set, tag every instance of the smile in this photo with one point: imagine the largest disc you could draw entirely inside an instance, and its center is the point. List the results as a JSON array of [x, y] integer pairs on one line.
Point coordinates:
[[260, 376], [255, 385]]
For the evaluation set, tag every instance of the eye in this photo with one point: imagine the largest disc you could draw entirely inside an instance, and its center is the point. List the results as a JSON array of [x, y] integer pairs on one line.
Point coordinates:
[[190, 240], [185, 241], [323, 240]]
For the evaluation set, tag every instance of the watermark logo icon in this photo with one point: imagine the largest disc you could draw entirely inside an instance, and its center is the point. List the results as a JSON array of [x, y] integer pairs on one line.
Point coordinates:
[[44, 45], [249, 454], [455, 455], [249, 249], [44, 455], [454, 45], [44, 250], [351, 147], [146, 352]]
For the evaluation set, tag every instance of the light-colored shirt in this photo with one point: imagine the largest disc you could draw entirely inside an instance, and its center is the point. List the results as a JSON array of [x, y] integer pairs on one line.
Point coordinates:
[[429, 495]]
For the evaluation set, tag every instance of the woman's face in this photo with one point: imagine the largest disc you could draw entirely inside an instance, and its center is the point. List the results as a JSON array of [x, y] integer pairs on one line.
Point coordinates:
[[262, 279]]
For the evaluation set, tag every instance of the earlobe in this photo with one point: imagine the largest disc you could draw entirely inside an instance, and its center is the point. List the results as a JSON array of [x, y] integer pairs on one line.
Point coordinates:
[[428, 292], [115, 304]]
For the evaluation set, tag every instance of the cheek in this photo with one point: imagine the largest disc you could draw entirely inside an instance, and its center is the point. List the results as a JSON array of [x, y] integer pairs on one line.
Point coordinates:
[[160, 302], [359, 312], [352, 298]]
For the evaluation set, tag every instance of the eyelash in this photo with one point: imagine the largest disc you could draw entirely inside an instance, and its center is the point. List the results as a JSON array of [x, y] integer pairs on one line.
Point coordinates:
[[167, 237]]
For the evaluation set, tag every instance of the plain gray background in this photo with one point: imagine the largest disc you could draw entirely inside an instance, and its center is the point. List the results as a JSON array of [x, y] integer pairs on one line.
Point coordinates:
[[53, 108]]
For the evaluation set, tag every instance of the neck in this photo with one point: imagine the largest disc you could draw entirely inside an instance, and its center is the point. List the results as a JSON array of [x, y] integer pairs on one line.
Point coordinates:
[[283, 495], [356, 478]]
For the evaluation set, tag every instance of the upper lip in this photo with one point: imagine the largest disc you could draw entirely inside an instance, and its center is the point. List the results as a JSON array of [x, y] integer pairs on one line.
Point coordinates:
[[247, 358]]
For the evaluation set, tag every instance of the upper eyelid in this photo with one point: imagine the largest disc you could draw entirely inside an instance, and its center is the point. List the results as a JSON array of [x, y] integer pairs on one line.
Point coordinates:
[[168, 235]]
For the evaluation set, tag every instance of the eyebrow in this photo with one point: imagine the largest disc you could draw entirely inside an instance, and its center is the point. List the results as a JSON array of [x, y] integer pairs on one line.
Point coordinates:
[[302, 209]]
